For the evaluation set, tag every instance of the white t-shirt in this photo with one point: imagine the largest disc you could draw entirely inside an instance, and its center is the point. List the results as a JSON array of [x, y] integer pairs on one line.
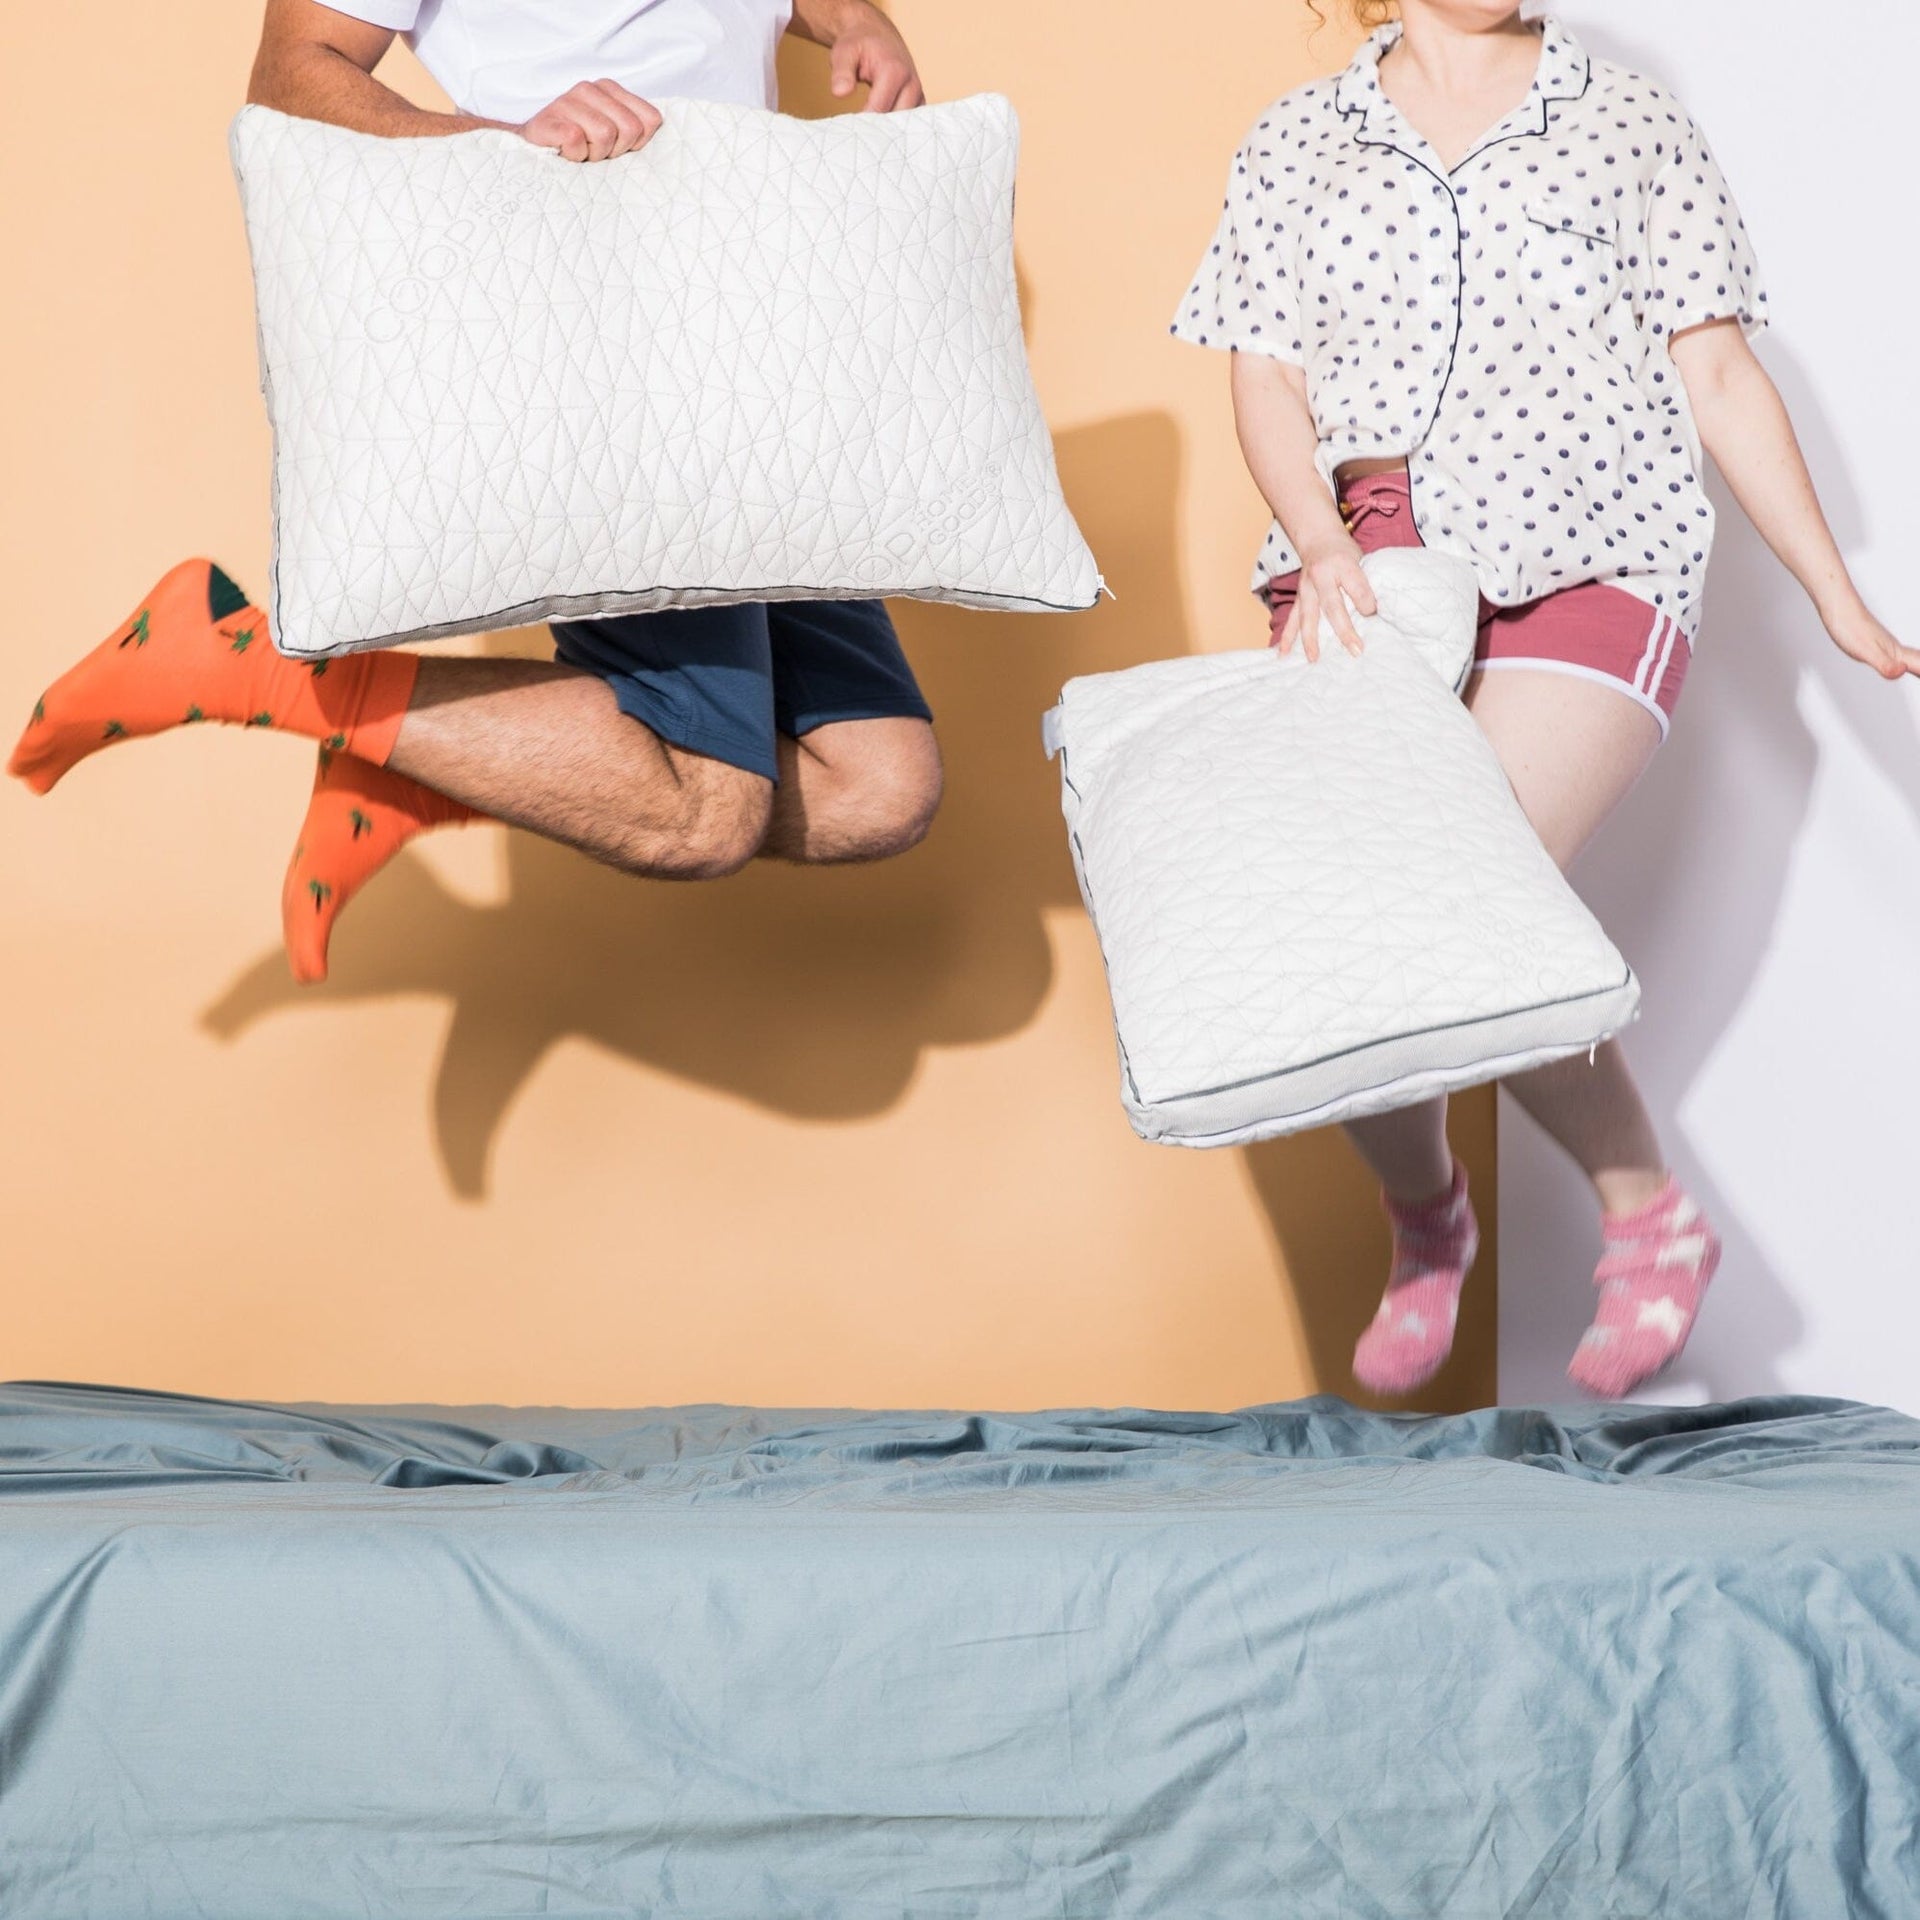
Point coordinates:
[[505, 59], [1502, 326]]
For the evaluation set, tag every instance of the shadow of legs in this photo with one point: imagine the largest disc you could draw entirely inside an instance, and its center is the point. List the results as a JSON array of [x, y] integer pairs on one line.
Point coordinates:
[[812, 991]]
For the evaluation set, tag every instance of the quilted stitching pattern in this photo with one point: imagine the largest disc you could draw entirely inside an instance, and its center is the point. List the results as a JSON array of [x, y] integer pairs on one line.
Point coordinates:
[[760, 359], [1316, 894]]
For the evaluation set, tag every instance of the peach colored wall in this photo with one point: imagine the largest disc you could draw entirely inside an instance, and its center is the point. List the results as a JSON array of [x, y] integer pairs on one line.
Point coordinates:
[[554, 1135]]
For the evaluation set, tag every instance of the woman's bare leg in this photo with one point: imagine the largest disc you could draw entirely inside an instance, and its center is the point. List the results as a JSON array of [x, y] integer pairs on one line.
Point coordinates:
[[1573, 748], [1408, 1150]]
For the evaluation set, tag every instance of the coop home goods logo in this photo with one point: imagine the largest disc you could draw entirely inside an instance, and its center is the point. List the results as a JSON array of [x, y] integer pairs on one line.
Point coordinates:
[[934, 525], [444, 258]]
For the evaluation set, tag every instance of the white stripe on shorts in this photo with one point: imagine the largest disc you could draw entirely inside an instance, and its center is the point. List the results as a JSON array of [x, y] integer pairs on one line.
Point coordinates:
[[1651, 652], [1659, 670]]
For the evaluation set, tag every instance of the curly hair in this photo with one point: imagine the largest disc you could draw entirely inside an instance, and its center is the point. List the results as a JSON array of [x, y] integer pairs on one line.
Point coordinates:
[[1369, 13]]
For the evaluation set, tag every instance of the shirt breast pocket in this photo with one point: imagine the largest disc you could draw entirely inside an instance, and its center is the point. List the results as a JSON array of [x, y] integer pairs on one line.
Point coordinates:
[[1570, 257]]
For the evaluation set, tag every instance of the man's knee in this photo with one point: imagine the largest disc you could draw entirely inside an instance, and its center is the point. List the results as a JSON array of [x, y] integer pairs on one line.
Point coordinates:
[[714, 826], [892, 805]]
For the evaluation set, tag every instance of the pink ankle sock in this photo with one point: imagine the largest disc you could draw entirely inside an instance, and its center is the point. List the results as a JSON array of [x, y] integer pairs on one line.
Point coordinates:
[[1652, 1278], [1433, 1246]]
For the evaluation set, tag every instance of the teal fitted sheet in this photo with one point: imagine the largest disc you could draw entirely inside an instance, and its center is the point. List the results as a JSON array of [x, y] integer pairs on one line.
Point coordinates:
[[266, 1663]]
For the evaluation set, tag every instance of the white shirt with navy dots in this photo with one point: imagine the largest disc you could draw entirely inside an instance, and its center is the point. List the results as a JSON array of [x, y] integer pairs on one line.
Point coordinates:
[[1504, 325]]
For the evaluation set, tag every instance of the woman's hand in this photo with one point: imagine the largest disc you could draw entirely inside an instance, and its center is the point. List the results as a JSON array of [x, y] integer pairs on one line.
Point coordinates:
[[1744, 424], [1334, 584], [1275, 423], [1861, 637]]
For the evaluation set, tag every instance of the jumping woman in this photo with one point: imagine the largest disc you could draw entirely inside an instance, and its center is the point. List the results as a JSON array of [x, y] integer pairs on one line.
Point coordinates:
[[1488, 294]]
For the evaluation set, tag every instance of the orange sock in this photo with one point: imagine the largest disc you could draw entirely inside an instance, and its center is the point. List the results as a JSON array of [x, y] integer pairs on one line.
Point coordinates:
[[360, 816], [193, 650]]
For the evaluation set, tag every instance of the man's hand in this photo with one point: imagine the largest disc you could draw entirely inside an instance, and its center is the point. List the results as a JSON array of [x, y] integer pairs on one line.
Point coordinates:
[[870, 52], [864, 49], [597, 120]]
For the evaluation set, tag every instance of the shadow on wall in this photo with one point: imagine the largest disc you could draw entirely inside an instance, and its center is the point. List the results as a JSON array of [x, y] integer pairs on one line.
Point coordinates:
[[819, 990]]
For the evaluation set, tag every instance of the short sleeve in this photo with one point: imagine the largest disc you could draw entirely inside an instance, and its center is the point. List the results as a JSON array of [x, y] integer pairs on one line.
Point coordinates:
[[1242, 298], [400, 15], [1697, 263]]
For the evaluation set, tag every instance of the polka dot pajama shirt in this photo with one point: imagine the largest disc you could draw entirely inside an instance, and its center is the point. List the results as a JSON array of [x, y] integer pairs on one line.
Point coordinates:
[[1503, 327]]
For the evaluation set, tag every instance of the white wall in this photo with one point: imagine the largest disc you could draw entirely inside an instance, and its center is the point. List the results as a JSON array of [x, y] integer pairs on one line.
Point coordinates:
[[1765, 877]]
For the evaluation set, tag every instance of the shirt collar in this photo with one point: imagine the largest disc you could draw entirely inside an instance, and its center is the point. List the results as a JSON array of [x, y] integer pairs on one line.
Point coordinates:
[[1564, 73]]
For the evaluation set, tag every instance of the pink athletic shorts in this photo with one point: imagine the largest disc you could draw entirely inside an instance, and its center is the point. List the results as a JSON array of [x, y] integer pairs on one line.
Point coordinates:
[[1596, 631]]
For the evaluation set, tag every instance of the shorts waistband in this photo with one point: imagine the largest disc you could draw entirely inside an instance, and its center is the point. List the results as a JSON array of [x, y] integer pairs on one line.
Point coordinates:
[[1387, 494]]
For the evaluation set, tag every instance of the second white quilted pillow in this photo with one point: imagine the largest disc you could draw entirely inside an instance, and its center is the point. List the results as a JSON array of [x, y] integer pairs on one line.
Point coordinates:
[[760, 359], [1315, 892]]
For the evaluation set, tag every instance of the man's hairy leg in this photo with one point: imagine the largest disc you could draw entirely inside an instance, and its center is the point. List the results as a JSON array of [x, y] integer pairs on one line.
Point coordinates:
[[854, 790], [546, 747]]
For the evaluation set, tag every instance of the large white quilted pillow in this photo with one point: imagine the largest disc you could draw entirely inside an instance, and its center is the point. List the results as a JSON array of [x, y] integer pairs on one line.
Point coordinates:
[[1315, 892], [762, 358]]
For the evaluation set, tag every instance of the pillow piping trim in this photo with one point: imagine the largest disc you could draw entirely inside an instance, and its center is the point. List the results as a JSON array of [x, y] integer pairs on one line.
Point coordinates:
[[1280, 1074], [532, 613], [1147, 1107]]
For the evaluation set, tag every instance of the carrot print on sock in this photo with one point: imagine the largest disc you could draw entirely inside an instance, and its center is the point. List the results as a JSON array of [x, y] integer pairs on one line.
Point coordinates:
[[358, 818], [195, 649]]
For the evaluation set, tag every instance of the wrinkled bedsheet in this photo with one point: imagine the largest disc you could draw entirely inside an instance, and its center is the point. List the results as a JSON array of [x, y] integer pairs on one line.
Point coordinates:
[[264, 1663]]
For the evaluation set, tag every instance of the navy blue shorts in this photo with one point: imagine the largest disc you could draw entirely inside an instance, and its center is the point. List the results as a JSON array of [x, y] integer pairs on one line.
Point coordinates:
[[725, 681]]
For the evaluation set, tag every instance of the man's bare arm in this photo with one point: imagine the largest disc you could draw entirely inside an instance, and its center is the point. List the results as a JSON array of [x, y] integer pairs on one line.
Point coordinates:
[[865, 49], [318, 65]]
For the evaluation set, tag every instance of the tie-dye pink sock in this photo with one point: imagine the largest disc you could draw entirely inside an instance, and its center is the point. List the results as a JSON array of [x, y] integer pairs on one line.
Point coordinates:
[[1652, 1278], [1433, 1246]]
